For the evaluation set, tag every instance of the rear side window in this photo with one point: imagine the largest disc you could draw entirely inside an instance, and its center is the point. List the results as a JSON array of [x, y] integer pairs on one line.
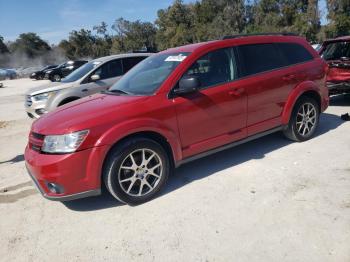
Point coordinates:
[[130, 62], [214, 68], [260, 58], [295, 53]]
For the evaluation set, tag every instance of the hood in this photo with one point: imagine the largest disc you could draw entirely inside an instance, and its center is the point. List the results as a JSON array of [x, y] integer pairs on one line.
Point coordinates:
[[88, 113], [54, 86]]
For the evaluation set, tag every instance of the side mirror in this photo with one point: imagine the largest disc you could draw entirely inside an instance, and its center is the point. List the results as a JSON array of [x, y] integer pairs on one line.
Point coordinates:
[[95, 78], [187, 85]]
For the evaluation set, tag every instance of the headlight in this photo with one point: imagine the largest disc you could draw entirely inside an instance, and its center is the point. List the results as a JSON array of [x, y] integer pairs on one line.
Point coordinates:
[[33, 74], [48, 72], [64, 143], [43, 96]]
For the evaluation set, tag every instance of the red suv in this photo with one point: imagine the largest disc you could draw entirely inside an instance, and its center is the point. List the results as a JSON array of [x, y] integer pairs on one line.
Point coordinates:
[[174, 107], [337, 54]]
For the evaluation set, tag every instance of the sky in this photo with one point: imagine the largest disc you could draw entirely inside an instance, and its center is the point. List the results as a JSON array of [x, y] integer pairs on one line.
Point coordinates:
[[52, 20]]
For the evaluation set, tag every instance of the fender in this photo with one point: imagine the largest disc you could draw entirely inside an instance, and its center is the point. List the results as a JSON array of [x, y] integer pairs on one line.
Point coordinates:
[[126, 128], [294, 96], [60, 96]]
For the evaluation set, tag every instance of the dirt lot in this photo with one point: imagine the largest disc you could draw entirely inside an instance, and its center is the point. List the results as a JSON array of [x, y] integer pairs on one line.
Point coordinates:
[[268, 200]]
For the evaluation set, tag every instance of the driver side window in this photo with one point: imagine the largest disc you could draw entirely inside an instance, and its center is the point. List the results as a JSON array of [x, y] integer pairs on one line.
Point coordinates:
[[216, 67]]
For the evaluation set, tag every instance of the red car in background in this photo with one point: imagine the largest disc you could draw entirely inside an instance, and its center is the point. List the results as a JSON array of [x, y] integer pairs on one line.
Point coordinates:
[[337, 54]]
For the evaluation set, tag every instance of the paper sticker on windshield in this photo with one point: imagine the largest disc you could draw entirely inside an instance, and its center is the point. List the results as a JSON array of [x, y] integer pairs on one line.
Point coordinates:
[[175, 58]]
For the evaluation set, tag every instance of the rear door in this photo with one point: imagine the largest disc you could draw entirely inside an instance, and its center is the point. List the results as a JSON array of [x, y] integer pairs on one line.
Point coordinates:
[[216, 114], [266, 84]]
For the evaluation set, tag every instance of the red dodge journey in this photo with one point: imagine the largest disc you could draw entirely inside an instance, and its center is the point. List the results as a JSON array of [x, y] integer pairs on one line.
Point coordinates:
[[174, 107]]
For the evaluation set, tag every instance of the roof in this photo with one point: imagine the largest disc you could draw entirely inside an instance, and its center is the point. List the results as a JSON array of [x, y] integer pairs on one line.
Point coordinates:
[[111, 57], [232, 39], [188, 48]]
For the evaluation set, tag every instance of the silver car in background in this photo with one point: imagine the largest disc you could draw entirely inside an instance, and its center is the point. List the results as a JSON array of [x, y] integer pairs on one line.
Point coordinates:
[[93, 77]]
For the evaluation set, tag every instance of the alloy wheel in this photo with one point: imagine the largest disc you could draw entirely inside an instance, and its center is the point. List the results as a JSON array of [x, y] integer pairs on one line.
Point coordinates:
[[140, 172], [306, 119]]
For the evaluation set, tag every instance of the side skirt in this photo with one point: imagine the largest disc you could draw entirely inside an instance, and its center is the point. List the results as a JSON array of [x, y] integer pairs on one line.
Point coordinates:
[[227, 146]]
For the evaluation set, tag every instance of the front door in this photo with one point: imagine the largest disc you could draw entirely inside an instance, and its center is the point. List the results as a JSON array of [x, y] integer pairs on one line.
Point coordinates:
[[109, 73], [216, 114]]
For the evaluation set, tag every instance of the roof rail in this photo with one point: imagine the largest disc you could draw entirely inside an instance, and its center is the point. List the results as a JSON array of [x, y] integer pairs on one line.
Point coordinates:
[[258, 34]]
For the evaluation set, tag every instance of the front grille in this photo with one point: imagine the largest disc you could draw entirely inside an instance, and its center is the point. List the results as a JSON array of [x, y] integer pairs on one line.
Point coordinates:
[[29, 101]]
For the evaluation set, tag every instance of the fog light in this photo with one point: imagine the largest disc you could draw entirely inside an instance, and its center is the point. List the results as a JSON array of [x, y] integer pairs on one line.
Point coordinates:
[[54, 188]]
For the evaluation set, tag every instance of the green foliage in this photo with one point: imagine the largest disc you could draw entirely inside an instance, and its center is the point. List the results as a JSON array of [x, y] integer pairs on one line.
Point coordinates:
[[133, 36], [175, 25], [29, 44], [3, 47], [339, 16], [84, 44]]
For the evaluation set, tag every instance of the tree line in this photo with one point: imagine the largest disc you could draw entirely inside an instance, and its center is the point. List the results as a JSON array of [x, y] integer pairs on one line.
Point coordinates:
[[182, 23]]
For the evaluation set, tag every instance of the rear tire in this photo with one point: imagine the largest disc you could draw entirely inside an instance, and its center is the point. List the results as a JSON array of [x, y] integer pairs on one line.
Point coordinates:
[[136, 170], [304, 120]]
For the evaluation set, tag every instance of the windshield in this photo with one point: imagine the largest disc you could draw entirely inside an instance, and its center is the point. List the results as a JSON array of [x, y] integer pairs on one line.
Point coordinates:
[[337, 50], [147, 76], [80, 72]]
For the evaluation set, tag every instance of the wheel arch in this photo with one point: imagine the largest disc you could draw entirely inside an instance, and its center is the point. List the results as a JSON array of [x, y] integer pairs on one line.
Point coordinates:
[[68, 100], [155, 136], [307, 88]]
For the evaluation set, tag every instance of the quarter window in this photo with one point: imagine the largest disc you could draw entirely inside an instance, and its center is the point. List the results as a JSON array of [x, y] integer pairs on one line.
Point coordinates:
[[214, 68], [295, 53], [260, 58]]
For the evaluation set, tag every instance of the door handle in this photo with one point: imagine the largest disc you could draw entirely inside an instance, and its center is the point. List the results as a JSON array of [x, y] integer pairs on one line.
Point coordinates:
[[236, 92], [84, 90]]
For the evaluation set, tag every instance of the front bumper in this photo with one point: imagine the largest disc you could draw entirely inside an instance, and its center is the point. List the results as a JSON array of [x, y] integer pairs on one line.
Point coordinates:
[[77, 174], [89, 193]]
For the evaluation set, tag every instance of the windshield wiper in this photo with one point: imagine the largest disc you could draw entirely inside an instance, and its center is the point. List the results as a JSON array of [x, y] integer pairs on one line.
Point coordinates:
[[115, 92]]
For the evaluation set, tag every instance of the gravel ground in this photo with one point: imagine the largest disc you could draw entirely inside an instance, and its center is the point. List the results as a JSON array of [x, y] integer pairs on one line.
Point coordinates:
[[267, 200]]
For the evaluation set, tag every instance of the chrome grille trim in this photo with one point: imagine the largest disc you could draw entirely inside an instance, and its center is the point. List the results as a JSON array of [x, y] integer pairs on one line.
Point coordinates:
[[29, 101]]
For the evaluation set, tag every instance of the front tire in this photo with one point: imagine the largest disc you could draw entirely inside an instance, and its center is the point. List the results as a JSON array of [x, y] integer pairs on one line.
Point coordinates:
[[136, 170], [304, 120]]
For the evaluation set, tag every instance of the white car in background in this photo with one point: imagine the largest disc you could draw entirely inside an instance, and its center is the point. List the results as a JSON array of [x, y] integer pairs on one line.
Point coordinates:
[[93, 77]]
